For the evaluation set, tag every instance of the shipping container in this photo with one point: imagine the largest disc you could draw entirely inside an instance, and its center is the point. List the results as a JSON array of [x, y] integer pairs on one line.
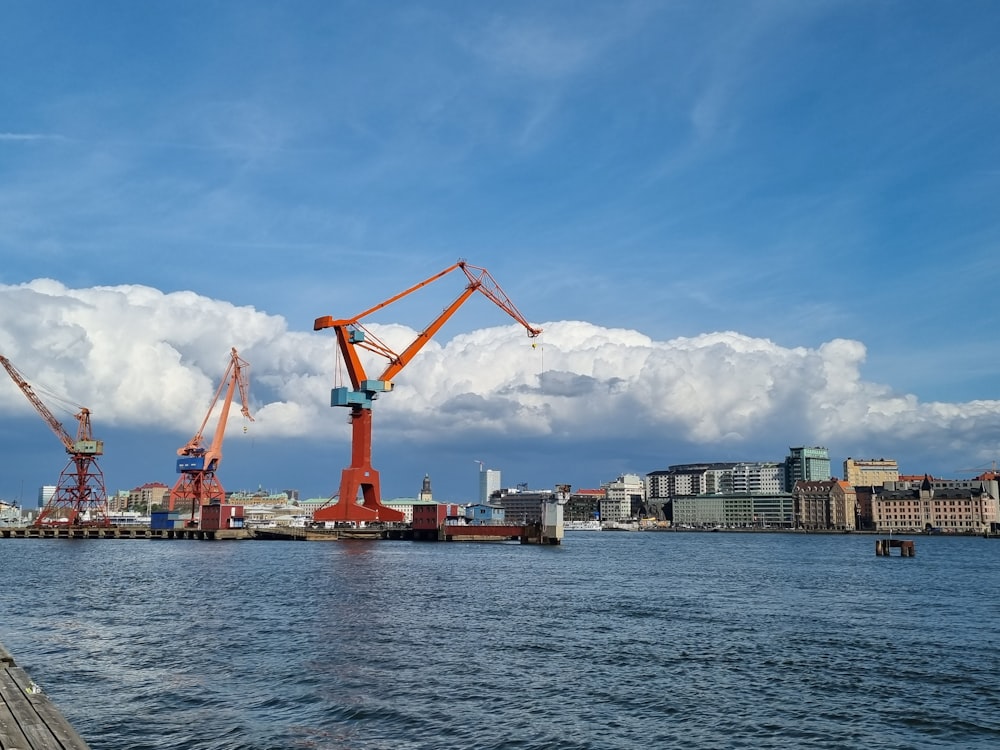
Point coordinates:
[[217, 517], [190, 463]]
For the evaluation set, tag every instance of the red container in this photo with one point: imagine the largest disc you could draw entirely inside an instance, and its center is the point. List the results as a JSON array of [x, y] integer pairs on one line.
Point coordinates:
[[218, 517]]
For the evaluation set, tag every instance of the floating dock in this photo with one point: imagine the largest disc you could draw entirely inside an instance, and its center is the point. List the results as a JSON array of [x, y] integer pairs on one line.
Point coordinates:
[[28, 719]]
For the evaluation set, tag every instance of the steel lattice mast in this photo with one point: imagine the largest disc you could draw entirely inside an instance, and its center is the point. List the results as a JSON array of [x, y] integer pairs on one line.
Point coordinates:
[[80, 497]]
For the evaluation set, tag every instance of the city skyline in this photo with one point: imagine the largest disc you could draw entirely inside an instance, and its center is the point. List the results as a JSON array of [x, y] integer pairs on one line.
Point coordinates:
[[741, 227], [493, 480]]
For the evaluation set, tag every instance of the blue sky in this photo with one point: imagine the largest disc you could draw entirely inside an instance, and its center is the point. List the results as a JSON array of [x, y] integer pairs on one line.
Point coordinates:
[[744, 226]]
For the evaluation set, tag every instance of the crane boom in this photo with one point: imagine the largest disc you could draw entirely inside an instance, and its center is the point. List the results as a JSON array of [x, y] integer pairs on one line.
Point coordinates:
[[351, 336], [40, 407]]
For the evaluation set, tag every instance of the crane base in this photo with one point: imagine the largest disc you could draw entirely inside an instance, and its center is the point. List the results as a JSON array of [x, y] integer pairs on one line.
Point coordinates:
[[354, 512]]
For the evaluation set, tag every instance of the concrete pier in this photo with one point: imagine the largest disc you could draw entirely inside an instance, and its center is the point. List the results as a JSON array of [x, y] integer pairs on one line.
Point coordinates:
[[120, 532]]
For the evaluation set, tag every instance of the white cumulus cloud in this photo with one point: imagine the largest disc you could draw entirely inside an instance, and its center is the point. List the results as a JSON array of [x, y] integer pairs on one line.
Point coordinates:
[[140, 357]]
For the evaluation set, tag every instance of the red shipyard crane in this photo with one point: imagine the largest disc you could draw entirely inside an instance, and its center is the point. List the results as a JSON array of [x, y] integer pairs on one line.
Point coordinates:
[[197, 464], [351, 336], [80, 498]]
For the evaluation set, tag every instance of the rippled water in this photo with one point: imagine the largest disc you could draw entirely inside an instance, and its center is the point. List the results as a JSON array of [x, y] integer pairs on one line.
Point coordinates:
[[614, 640]]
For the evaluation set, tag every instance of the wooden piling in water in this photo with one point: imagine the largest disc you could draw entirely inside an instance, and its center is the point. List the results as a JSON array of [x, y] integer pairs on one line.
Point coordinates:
[[906, 547]]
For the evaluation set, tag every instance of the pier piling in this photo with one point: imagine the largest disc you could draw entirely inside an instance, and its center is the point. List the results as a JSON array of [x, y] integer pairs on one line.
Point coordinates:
[[884, 547]]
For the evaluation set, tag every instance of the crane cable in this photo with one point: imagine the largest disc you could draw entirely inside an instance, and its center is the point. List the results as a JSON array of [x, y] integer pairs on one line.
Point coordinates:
[[338, 369], [537, 344]]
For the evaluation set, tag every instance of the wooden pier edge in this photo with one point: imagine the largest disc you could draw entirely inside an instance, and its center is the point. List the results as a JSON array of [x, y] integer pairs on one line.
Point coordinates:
[[29, 720]]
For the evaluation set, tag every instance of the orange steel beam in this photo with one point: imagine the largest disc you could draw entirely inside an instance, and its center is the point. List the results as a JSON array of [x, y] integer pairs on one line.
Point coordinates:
[[40, 407], [200, 486], [352, 335]]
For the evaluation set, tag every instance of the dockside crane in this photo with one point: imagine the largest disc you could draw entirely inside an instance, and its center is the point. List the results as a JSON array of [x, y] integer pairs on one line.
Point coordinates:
[[197, 464], [80, 498], [351, 336]]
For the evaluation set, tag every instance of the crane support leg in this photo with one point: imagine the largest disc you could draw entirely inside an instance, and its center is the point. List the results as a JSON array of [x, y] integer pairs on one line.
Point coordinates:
[[359, 476], [194, 489], [79, 496]]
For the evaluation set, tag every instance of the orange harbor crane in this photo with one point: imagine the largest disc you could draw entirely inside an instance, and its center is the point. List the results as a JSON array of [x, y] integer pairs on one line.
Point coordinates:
[[351, 336], [197, 464], [80, 498]]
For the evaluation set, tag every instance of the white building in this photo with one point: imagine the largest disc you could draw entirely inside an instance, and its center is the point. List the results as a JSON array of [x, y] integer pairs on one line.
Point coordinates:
[[757, 477], [45, 494], [619, 497], [489, 482]]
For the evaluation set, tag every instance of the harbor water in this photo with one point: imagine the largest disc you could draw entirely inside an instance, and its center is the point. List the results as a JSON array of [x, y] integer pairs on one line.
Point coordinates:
[[611, 641]]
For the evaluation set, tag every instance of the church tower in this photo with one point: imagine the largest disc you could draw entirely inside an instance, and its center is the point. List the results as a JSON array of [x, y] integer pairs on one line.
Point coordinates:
[[425, 490]]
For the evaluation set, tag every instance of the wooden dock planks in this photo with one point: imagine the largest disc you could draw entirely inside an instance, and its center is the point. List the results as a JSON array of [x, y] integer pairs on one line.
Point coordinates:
[[28, 718]]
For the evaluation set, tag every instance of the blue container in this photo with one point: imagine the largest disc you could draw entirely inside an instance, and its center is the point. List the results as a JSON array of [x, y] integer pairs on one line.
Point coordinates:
[[190, 463], [161, 519]]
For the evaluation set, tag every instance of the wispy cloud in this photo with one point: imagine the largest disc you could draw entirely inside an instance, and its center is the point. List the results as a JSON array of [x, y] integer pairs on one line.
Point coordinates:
[[7, 136]]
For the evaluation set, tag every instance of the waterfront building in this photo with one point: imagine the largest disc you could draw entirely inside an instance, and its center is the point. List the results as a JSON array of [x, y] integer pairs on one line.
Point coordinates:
[[658, 485], [429, 517], [826, 505], [806, 464], [584, 505], [489, 483], [718, 478], [484, 515], [767, 510], [864, 495], [962, 507], [870, 472], [623, 498], [690, 479], [756, 477], [522, 506]]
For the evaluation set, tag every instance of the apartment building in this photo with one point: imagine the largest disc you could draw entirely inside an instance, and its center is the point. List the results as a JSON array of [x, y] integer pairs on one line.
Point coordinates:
[[826, 505], [690, 479], [148, 496], [757, 477], [960, 507], [764, 511], [584, 505], [623, 498], [806, 464], [870, 472]]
